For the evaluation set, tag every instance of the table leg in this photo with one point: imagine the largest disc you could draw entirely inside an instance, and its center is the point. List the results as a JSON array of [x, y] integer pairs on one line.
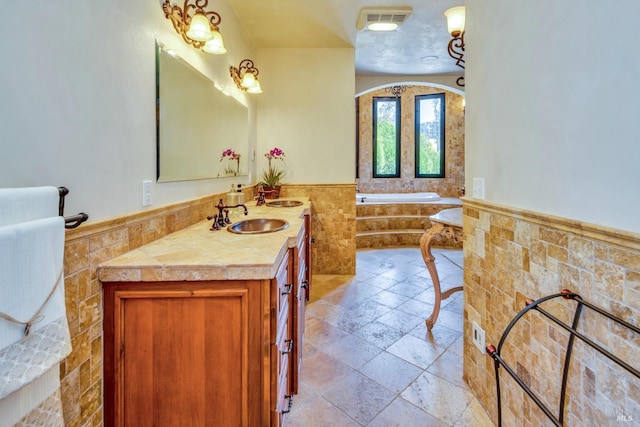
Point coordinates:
[[435, 233]]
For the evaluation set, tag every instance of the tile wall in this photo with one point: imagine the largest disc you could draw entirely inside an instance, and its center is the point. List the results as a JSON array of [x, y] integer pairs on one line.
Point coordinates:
[[93, 243], [454, 149], [511, 255]]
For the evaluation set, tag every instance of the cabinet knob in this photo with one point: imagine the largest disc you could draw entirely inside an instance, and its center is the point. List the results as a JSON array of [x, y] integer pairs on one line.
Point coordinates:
[[289, 346], [287, 289], [290, 397]]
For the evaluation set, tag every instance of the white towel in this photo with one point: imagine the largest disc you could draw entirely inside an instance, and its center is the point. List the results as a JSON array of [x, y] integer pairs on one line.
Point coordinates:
[[27, 204], [31, 260]]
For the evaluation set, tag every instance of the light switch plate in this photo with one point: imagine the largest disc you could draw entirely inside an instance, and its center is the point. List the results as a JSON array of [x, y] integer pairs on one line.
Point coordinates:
[[478, 188], [478, 336]]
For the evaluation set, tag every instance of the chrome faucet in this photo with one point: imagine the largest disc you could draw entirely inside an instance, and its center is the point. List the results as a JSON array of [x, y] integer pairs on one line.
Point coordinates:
[[221, 219]]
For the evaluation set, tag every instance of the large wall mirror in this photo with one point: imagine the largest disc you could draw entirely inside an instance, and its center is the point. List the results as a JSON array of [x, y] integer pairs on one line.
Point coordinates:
[[196, 124]]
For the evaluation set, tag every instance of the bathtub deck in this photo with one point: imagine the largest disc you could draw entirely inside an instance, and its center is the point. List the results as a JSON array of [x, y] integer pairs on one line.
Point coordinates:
[[397, 224]]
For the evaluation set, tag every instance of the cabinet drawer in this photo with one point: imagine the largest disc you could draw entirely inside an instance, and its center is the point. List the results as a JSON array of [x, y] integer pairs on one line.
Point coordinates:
[[283, 355], [284, 287], [284, 400]]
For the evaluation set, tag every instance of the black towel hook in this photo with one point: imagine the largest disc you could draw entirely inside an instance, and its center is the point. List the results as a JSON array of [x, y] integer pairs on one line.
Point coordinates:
[[69, 221]]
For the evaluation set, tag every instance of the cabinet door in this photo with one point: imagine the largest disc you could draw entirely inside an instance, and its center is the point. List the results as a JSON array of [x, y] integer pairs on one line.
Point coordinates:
[[183, 355], [307, 253], [299, 304], [282, 342]]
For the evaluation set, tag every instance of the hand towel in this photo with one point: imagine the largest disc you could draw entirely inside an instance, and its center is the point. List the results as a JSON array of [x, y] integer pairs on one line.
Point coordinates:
[[31, 260], [28, 204]]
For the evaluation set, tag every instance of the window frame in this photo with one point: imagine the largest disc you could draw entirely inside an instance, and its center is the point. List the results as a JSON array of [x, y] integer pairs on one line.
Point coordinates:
[[398, 125], [443, 139]]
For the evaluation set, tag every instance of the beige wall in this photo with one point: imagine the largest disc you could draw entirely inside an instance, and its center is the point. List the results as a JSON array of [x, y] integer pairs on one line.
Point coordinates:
[[78, 101], [555, 138], [307, 110], [454, 146]]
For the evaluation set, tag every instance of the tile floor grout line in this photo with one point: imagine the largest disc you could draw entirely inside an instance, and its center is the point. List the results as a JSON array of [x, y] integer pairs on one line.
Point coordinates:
[[357, 321]]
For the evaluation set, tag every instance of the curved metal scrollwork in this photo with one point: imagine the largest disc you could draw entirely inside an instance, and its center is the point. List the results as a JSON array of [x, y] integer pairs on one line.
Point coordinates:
[[181, 18], [456, 51]]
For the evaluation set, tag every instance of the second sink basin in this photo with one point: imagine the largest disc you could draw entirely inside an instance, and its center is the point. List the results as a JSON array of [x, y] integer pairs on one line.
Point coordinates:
[[258, 226], [283, 203]]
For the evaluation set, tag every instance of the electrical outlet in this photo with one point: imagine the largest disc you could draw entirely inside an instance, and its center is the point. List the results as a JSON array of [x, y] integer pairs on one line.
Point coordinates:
[[478, 336], [146, 193], [478, 188]]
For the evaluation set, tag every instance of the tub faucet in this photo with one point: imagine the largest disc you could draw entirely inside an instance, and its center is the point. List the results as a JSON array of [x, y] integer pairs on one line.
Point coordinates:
[[221, 219]]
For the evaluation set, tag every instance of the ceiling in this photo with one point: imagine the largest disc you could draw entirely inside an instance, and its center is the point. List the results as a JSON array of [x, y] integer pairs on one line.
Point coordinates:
[[418, 47]]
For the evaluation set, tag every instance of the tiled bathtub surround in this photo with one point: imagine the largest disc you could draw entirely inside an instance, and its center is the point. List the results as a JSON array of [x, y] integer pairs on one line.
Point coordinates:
[[512, 255], [398, 224], [407, 183], [93, 243]]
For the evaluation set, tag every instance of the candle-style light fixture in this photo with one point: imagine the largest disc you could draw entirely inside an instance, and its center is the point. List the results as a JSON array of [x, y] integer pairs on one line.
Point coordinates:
[[245, 76], [455, 24], [197, 26]]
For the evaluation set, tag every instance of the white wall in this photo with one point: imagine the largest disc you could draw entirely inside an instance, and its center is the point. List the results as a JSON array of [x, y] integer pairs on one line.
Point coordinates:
[[308, 110], [551, 115], [78, 99]]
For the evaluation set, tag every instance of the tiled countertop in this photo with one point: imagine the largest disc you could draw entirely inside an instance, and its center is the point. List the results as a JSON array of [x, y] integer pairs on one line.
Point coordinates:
[[196, 253]]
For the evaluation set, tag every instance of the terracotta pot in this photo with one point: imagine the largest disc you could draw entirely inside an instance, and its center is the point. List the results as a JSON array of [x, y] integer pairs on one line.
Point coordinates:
[[271, 192]]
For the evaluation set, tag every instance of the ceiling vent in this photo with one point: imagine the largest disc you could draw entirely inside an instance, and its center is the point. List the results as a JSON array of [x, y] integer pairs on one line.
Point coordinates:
[[392, 17]]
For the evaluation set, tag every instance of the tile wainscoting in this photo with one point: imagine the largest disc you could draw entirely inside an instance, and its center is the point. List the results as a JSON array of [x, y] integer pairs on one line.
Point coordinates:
[[95, 242], [511, 255]]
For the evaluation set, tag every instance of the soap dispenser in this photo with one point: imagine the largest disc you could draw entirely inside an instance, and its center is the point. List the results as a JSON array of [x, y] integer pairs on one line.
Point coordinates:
[[235, 196]]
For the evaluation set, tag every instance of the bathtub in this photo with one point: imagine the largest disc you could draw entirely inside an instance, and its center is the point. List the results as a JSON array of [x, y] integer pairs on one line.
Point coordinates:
[[364, 198]]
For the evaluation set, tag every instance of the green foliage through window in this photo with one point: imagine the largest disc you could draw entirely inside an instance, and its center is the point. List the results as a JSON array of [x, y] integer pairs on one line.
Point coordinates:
[[430, 142], [386, 137]]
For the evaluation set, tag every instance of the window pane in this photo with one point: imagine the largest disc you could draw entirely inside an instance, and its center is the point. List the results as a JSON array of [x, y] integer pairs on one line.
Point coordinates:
[[430, 135], [386, 137]]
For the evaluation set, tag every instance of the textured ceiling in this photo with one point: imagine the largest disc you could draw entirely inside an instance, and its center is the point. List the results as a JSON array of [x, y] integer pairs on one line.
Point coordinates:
[[418, 47]]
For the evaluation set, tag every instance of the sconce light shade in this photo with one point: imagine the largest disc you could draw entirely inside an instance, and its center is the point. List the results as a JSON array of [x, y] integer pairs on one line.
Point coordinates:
[[249, 80], [455, 20], [197, 26], [255, 89], [246, 76], [215, 45]]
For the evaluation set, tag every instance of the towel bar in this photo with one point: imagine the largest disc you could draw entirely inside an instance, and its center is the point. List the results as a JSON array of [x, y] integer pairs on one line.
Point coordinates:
[[573, 333], [69, 221]]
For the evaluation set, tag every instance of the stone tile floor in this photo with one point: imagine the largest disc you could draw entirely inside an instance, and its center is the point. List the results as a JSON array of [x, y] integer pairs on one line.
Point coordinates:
[[368, 358]]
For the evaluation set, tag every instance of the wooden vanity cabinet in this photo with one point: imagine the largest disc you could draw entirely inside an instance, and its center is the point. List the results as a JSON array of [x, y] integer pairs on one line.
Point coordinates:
[[205, 353], [185, 353]]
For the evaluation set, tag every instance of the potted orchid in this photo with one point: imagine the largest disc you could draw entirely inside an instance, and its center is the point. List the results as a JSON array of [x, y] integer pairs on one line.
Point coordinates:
[[232, 156], [272, 177]]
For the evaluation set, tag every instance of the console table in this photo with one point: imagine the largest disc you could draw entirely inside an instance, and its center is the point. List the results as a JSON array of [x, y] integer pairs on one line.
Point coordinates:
[[445, 224]]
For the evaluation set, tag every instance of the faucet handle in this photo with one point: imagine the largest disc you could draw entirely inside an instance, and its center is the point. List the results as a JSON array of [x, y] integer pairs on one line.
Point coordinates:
[[215, 225]]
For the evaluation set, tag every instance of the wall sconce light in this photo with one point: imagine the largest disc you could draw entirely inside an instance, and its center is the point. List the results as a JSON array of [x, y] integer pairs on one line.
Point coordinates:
[[197, 27], [246, 76], [455, 24]]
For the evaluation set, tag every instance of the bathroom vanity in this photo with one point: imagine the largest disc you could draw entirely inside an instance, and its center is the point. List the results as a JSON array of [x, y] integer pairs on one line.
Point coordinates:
[[206, 328]]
